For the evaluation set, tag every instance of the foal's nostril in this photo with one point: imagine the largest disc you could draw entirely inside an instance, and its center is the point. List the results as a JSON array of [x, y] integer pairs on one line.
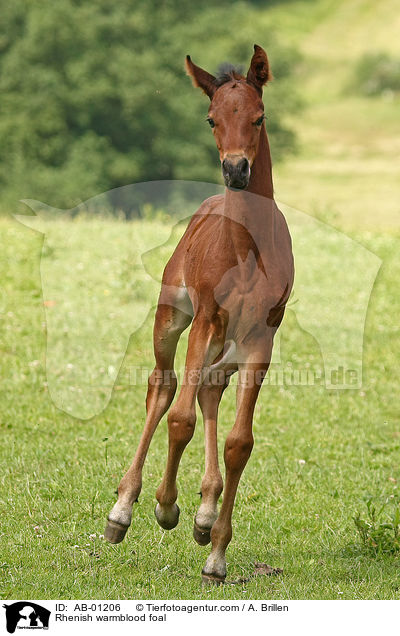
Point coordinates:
[[243, 167]]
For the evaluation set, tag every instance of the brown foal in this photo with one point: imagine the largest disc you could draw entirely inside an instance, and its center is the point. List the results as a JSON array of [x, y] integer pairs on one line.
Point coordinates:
[[231, 273]]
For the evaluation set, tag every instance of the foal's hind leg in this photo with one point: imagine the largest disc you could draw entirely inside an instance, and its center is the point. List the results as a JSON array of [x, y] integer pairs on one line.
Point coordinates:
[[238, 447], [169, 324], [209, 398]]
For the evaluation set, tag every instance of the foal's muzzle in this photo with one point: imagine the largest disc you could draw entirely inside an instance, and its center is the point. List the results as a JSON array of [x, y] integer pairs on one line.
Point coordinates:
[[236, 172]]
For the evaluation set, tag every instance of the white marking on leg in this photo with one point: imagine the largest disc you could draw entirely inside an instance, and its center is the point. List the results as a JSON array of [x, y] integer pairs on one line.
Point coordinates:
[[121, 513]]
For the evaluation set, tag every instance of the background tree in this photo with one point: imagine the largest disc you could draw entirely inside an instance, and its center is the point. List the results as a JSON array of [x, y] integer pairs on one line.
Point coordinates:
[[94, 94]]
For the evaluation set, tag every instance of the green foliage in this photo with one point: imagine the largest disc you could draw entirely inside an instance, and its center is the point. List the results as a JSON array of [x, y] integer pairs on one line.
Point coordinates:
[[378, 74], [380, 531], [94, 95]]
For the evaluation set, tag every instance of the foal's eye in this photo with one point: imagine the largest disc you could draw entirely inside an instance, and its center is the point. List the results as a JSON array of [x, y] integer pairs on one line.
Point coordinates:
[[259, 120], [211, 122]]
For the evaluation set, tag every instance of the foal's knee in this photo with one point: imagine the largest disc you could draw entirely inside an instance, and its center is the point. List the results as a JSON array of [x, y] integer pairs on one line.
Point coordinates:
[[181, 426], [238, 449]]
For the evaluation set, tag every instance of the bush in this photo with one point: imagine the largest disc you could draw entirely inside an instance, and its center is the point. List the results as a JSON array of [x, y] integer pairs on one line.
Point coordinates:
[[95, 96], [377, 74]]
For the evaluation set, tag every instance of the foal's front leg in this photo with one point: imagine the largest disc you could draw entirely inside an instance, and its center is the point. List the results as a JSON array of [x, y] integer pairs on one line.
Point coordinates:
[[168, 326], [206, 340], [238, 447], [209, 398]]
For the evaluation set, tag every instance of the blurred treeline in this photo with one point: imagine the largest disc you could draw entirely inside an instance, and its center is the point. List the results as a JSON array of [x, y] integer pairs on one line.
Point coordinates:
[[94, 94]]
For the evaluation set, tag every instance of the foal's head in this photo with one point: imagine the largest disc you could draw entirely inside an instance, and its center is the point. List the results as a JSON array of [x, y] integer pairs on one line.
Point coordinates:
[[236, 114]]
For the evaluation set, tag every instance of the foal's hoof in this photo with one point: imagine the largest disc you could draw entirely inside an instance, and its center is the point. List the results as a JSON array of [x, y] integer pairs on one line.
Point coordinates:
[[202, 536], [167, 518], [212, 579], [115, 532]]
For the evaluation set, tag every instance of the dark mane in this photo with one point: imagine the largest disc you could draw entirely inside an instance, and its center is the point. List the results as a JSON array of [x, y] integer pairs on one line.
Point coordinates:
[[227, 72]]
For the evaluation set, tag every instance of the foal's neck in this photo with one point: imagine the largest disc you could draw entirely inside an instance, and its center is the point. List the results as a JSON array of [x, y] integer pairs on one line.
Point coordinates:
[[241, 204], [252, 210], [261, 175], [261, 170]]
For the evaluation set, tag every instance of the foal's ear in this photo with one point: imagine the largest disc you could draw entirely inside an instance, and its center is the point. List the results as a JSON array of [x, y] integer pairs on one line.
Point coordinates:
[[201, 78], [259, 72]]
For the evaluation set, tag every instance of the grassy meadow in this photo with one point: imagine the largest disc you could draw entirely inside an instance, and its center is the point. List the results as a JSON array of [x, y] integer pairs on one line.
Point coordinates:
[[319, 455]]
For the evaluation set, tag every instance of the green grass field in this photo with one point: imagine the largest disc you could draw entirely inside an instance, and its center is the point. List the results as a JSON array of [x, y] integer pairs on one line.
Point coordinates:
[[58, 473], [318, 454]]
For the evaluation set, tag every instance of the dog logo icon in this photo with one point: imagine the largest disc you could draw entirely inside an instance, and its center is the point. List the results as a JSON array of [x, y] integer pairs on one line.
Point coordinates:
[[26, 615]]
